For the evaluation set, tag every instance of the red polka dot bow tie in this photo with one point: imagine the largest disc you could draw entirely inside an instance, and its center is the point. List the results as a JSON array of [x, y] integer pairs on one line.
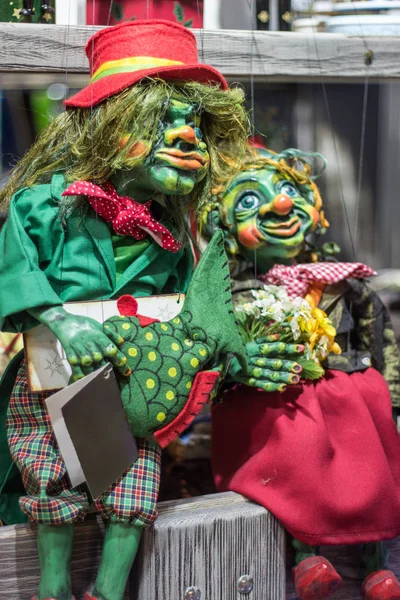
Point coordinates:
[[127, 216]]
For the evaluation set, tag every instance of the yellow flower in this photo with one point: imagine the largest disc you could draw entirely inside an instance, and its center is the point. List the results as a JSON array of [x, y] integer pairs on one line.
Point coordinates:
[[313, 340], [305, 324], [335, 348], [324, 323]]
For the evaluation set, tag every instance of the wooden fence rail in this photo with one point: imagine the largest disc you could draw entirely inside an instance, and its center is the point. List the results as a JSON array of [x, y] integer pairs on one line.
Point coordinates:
[[271, 56]]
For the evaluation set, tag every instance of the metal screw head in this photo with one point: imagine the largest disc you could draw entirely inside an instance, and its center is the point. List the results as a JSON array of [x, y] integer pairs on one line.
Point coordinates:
[[192, 593], [245, 584]]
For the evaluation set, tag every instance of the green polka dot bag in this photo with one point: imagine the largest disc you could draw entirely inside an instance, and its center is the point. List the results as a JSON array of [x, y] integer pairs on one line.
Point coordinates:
[[173, 363]]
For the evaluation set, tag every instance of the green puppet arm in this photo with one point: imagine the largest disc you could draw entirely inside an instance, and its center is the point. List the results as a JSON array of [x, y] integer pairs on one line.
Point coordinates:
[[86, 345], [267, 369]]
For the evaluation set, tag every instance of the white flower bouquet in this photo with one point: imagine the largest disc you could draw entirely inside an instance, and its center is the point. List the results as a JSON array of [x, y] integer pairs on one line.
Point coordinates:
[[273, 313]]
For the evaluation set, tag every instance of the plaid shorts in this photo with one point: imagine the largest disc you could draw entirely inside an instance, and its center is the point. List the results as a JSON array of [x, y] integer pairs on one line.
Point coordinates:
[[50, 498]]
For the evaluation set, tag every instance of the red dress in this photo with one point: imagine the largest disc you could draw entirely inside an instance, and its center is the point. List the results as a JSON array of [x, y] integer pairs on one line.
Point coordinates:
[[323, 457]]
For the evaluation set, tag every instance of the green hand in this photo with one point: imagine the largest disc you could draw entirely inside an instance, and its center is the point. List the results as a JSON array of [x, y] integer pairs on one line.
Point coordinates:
[[86, 345], [271, 374]]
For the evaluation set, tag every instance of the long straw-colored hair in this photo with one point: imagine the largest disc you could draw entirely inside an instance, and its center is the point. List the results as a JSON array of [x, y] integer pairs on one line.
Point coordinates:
[[86, 143]]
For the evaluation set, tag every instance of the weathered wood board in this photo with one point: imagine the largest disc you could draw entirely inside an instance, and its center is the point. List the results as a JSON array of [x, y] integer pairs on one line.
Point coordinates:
[[271, 56], [206, 542]]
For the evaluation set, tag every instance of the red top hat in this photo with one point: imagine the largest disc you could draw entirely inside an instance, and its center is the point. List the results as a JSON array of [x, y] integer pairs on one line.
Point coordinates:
[[122, 55]]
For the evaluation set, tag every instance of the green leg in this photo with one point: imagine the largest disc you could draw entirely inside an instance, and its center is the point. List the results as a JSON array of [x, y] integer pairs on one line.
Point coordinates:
[[374, 557], [119, 551], [55, 548], [302, 550]]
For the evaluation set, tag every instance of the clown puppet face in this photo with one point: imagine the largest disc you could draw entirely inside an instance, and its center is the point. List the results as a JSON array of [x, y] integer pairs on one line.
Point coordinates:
[[266, 213]]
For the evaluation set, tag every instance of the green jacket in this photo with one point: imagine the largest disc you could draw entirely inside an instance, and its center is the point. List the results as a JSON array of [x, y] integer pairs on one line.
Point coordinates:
[[46, 263]]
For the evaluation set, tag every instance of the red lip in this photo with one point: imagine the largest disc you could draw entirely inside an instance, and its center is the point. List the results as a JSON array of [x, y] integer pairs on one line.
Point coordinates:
[[286, 229], [188, 161]]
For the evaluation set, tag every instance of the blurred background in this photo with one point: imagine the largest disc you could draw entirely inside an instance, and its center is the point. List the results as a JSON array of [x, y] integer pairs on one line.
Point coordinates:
[[327, 118]]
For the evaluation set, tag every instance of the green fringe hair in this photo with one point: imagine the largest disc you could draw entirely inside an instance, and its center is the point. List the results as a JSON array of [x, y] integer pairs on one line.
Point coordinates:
[[85, 143]]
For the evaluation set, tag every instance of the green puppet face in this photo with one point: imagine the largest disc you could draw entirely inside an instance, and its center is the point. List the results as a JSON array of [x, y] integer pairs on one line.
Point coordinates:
[[270, 214], [179, 158]]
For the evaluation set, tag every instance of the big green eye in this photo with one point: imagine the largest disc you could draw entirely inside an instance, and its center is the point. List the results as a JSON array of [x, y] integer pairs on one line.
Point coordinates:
[[248, 202], [289, 189]]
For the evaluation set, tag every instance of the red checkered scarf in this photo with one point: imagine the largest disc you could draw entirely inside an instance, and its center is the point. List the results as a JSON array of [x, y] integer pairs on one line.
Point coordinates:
[[127, 216], [297, 279]]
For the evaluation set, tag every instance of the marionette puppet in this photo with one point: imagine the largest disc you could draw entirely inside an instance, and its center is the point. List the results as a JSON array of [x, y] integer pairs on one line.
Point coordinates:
[[98, 209], [319, 450]]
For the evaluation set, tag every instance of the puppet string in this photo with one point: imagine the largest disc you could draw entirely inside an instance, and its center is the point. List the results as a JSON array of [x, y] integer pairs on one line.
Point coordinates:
[[256, 53], [109, 12], [252, 103], [93, 151], [201, 32], [353, 240], [361, 159], [65, 66]]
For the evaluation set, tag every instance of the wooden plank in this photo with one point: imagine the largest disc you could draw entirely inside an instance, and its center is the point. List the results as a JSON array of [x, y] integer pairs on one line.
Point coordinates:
[[206, 542], [272, 56]]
